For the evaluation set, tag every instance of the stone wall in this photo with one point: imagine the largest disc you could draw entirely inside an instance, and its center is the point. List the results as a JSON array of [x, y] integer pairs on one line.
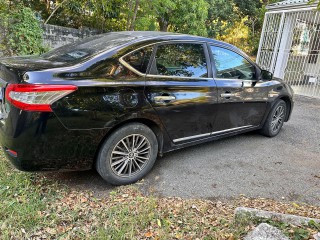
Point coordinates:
[[56, 36]]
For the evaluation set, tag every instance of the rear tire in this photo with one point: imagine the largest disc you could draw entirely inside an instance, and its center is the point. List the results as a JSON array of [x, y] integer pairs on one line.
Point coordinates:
[[275, 119], [128, 154]]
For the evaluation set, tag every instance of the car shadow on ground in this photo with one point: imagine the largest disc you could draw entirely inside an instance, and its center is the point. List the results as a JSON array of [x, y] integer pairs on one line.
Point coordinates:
[[284, 168], [91, 181]]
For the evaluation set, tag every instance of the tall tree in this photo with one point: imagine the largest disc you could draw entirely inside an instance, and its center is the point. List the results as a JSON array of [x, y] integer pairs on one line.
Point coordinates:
[[221, 16], [162, 10], [185, 16], [133, 20], [190, 16]]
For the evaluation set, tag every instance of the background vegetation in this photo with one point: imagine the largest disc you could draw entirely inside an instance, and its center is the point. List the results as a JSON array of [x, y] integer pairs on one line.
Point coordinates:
[[238, 22], [21, 32]]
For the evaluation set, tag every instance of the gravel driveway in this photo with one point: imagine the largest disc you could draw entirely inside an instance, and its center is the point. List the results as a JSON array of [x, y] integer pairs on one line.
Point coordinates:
[[286, 167]]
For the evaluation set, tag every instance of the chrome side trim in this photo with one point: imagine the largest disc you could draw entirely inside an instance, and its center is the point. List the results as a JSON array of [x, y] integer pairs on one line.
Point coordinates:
[[127, 65], [176, 77], [227, 95], [191, 137], [212, 133], [164, 98]]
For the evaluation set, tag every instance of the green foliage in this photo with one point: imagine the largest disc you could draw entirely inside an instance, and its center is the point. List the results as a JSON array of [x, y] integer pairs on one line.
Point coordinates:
[[314, 1], [248, 7], [222, 19], [21, 31], [189, 17]]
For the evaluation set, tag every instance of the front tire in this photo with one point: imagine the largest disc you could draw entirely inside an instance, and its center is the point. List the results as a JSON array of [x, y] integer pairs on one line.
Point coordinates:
[[128, 154], [275, 119]]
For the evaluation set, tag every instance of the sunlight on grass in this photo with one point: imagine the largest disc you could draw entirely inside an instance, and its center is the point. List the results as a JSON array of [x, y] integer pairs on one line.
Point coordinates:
[[34, 206]]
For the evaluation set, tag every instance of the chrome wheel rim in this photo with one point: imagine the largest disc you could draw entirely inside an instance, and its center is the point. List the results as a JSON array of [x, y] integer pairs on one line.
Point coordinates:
[[130, 155], [277, 119]]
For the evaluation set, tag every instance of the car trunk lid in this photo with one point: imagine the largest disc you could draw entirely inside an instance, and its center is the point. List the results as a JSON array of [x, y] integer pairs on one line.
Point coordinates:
[[30, 63]]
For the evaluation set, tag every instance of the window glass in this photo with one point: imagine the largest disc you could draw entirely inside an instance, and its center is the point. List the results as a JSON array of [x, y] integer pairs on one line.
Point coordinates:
[[182, 59], [231, 65], [140, 59], [87, 48]]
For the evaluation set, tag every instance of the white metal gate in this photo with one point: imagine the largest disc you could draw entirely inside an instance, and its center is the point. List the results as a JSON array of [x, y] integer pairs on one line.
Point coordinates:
[[290, 48]]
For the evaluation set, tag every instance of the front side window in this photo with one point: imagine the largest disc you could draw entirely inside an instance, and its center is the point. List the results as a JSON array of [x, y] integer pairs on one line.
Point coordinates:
[[231, 65], [181, 60], [139, 59]]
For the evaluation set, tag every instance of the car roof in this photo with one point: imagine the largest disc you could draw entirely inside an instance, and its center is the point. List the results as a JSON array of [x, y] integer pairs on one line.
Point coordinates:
[[141, 36]]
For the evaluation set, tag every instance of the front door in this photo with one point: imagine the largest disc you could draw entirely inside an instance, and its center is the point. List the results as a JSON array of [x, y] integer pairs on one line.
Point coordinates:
[[181, 91], [242, 97]]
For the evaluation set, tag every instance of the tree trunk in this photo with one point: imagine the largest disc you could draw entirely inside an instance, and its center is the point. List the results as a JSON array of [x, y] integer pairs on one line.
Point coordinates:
[[134, 15], [48, 5], [163, 24], [129, 15], [253, 25]]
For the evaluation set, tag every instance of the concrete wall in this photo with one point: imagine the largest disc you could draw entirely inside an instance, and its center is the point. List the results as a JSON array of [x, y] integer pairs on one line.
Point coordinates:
[[56, 36]]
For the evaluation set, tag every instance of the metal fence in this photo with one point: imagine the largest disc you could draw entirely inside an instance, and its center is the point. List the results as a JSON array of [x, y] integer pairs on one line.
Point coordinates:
[[290, 48]]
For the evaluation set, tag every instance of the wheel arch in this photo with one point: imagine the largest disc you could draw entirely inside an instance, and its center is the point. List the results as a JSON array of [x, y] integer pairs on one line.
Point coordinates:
[[287, 100], [149, 123]]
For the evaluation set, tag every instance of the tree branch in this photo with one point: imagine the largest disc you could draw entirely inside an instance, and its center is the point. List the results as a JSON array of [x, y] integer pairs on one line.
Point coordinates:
[[54, 10]]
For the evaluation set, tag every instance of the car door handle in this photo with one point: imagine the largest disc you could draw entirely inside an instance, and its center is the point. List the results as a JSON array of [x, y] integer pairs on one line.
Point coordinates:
[[227, 95], [164, 98]]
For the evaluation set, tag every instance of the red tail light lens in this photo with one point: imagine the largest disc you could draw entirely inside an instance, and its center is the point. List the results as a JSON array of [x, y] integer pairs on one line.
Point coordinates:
[[36, 97]]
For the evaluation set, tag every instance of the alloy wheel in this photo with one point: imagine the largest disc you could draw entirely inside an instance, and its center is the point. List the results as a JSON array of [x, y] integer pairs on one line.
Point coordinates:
[[130, 155], [278, 118]]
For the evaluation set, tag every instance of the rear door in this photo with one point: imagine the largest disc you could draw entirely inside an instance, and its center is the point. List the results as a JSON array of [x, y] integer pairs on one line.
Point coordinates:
[[242, 97], [181, 91]]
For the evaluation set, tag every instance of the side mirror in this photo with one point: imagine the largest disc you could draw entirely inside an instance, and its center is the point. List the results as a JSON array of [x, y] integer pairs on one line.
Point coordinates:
[[266, 75]]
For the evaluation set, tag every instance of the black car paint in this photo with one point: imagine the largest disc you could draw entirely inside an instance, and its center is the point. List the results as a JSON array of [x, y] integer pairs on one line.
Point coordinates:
[[69, 138]]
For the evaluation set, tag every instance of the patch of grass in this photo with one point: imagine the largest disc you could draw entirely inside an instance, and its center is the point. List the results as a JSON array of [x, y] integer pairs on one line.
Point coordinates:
[[33, 206], [23, 197]]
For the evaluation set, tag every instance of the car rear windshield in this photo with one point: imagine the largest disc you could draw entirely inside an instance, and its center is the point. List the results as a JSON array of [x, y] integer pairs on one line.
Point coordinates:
[[85, 49]]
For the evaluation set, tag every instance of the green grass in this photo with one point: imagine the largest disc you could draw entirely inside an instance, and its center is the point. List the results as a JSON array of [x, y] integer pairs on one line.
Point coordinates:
[[23, 197], [35, 206]]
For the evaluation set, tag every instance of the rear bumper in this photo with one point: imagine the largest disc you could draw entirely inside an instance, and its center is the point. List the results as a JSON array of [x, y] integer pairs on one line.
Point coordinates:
[[42, 143]]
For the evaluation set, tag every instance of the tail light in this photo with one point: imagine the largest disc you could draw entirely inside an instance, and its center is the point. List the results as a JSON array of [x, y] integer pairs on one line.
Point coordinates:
[[36, 97]]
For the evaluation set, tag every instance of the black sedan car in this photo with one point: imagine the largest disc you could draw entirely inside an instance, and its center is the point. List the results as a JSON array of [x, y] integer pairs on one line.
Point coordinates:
[[116, 101]]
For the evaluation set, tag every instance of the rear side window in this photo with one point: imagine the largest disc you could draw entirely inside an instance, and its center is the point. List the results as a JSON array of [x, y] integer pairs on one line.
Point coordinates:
[[139, 59], [181, 59], [87, 48], [231, 65]]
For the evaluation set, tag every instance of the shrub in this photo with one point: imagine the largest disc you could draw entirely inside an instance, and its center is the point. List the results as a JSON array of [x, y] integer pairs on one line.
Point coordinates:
[[21, 33]]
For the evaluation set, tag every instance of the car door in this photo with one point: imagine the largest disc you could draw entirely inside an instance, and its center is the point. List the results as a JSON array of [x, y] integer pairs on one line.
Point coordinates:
[[181, 91], [242, 97]]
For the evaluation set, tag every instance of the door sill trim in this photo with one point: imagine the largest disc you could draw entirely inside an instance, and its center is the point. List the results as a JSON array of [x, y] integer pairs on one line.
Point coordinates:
[[211, 134]]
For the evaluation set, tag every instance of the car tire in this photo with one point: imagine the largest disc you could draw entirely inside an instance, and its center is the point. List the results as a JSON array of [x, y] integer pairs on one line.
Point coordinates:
[[128, 154], [275, 119]]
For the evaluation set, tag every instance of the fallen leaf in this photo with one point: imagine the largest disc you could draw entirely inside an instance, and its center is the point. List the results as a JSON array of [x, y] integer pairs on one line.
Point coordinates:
[[51, 231], [295, 205], [159, 222], [148, 234]]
